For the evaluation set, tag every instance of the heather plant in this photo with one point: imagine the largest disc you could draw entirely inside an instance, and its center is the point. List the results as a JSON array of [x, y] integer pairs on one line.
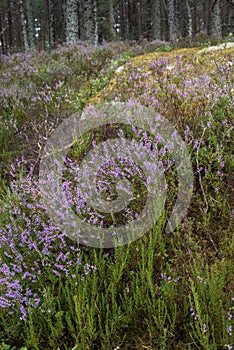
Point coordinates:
[[207, 294], [165, 290], [175, 90], [39, 90]]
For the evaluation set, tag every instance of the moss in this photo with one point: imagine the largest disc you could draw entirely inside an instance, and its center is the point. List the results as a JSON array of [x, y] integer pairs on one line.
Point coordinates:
[[203, 63]]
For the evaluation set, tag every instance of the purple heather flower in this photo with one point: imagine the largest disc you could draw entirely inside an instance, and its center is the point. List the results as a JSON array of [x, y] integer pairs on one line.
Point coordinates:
[[229, 330], [23, 313], [196, 143]]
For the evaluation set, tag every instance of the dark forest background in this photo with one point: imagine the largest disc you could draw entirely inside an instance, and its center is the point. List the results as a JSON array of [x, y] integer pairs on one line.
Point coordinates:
[[44, 24]]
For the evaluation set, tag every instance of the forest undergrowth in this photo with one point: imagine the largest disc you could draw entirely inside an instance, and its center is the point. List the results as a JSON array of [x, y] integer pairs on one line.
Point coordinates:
[[163, 291]]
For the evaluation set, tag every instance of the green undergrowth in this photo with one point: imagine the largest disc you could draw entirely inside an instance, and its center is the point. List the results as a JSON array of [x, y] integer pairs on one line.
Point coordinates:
[[159, 292], [164, 291]]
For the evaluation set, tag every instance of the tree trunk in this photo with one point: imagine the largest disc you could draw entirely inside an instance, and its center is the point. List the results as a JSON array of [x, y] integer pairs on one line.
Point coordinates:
[[89, 25], [72, 24], [229, 20], [9, 24], [17, 27], [95, 24], [50, 22], [206, 17], [156, 20], [139, 21], [123, 24], [111, 19], [190, 22], [145, 18], [2, 29], [23, 26], [172, 21], [30, 24], [194, 17], [164, 21], [57, 22], [216, 29]]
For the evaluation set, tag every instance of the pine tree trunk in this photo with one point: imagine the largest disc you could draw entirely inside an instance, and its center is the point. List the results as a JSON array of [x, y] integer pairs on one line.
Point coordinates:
[[230, 20], [89, 26], [50, 22], [156, 21], [216, 29], [139, 18], [145, 23], [111, 19], [164, 22], [172, 20], [23, 26], [206, 16], [17, 27], [72, 25], [194, 17], [30, 24], [57, 22], [9, 24], [2, 34], [95, 24], [123, 31], [126, 19], [190, 22]]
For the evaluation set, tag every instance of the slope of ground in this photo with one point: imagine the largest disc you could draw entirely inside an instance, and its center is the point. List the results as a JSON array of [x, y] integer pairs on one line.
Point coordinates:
[[164, 291]]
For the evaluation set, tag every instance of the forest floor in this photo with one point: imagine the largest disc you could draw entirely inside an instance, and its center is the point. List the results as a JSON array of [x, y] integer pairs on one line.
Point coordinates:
[[170, 290]]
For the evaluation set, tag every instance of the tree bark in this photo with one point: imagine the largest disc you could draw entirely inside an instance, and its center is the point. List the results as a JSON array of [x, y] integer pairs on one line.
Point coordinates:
[[2, 29], [216, 29], [111, 19], [172, 20], [23, 25], [139, 20], [206, 16], [30, 24], [95, 24], [156, 20], [190, 22], [194, 17], [89, 24], [9, 24], [17, 27], [72, 24], [50, 22]]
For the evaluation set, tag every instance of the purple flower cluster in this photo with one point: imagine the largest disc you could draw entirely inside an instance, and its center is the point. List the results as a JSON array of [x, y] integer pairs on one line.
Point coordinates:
[[31, 248]]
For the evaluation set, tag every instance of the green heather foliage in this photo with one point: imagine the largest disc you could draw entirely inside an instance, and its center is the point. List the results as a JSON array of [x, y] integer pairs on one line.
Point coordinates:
[[162, 292]]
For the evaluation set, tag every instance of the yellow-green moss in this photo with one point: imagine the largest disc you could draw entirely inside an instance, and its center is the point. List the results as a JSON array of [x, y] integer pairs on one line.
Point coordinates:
[[203, 62]]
